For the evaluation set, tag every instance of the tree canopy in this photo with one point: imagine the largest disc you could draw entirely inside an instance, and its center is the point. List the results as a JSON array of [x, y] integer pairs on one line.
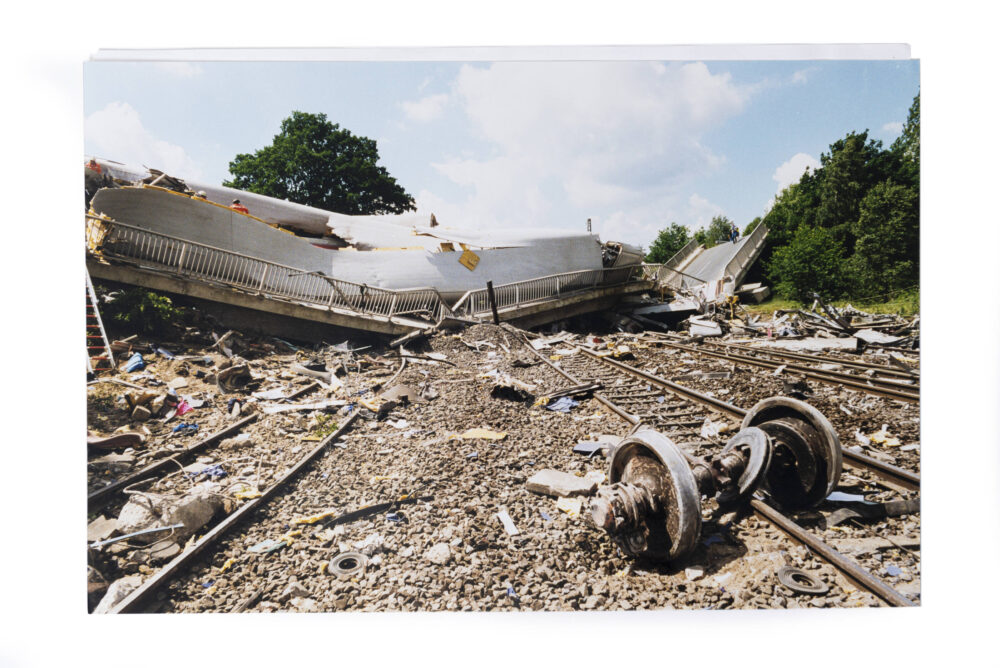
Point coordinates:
[[850, 228], [866, 199], [317, 163], [717, 232], [670, 240]]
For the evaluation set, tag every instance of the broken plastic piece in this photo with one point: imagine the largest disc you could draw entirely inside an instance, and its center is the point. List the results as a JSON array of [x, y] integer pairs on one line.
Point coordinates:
[[563, 404], [135, 363]]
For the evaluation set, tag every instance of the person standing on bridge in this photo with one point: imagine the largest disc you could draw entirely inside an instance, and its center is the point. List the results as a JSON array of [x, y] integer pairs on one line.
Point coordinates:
[[237, 206], [734, 234]]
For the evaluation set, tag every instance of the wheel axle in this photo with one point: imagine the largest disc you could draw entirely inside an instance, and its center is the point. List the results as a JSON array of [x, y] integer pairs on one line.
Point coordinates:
[[653, 506]]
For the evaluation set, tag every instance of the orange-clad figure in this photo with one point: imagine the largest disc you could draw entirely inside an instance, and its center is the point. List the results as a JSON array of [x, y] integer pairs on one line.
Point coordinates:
[[236, 206], [94, 166]]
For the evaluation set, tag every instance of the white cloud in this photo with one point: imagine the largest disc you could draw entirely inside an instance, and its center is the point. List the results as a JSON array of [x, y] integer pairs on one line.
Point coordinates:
[[426, 109], [619, 142], [180, 69], [116, 133], [893, 128], [791, 170]]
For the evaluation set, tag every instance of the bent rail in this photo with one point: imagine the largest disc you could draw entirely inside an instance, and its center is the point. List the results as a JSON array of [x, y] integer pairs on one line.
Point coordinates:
[[199, 261]]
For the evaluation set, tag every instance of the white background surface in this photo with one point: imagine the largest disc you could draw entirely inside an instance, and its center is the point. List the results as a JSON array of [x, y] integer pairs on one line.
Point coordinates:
[[43, 495]]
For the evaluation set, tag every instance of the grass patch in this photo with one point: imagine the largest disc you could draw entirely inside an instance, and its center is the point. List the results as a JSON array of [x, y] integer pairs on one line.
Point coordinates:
[[905, 303], [326, 426], [103, 412]]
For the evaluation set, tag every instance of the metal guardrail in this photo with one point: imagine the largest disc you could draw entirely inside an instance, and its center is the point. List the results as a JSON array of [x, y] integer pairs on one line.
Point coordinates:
[[476, 303], [738, 266], [216, 265], [668, 274]]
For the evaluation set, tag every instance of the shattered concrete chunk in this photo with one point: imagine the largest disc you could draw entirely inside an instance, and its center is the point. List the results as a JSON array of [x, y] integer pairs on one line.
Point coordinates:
[[556, 483], [117, 592], [438, 554]]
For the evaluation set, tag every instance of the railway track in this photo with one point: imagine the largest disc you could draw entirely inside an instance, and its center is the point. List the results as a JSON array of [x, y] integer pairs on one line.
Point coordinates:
[[860, 365], [100, 498], [143, 595], [887, 388], [677, 412]]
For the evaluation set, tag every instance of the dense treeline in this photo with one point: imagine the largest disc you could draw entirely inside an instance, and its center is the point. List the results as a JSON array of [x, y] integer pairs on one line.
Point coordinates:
[[851, 228]]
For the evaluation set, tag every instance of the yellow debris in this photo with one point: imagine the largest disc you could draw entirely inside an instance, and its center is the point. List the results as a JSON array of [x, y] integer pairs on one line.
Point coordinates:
[[570, 506], [323, 566], [247, 492], [370, 404], [555, 358], [379, 478], [290, 537], [485, 434], [326, 514], [882, 437], [226, 566]]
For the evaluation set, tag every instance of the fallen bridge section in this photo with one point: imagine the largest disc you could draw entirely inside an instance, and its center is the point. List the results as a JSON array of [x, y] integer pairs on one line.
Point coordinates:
[[128, 254]]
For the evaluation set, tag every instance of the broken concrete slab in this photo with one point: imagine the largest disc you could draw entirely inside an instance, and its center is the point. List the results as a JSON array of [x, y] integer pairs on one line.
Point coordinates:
[[101, 528], [703, 327], [871, 336], [811, 344], [117, 592], [402, 394], [557, 483]]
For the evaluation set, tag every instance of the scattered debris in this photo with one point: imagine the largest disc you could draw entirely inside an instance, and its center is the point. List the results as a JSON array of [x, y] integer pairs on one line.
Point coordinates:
[[557, 483], [508, 523]]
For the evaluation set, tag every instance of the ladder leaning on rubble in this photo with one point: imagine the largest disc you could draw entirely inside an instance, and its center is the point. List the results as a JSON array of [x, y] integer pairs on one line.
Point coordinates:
[[97, 339]]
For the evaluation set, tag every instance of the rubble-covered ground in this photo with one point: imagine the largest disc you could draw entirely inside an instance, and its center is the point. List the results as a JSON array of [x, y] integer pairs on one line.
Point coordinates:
[[448, 550]]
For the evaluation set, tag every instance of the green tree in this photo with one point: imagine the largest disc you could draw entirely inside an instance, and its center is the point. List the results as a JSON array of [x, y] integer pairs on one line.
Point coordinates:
[[887, 251], [751, 226], [670, 240], [314, 162], [812, 262], [907, 146], [717, 232]]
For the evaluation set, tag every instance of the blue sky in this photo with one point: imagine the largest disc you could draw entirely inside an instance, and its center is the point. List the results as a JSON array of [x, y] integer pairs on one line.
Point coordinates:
[[633, 145]]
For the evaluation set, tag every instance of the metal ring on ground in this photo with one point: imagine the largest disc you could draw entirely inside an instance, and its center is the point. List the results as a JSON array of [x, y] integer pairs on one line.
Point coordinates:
[[801, 582], [348, 564]]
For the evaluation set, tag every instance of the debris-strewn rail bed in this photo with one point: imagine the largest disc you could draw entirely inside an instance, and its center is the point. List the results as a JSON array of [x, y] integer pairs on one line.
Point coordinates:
[[421, 489], [658, 410]]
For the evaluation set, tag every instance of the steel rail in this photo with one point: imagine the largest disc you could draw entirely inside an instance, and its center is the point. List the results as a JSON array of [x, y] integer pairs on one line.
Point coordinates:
[[843, 564], [134, 601], [830, 378], [846, 566], [894, 474], [818, 359], [101, 497]]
